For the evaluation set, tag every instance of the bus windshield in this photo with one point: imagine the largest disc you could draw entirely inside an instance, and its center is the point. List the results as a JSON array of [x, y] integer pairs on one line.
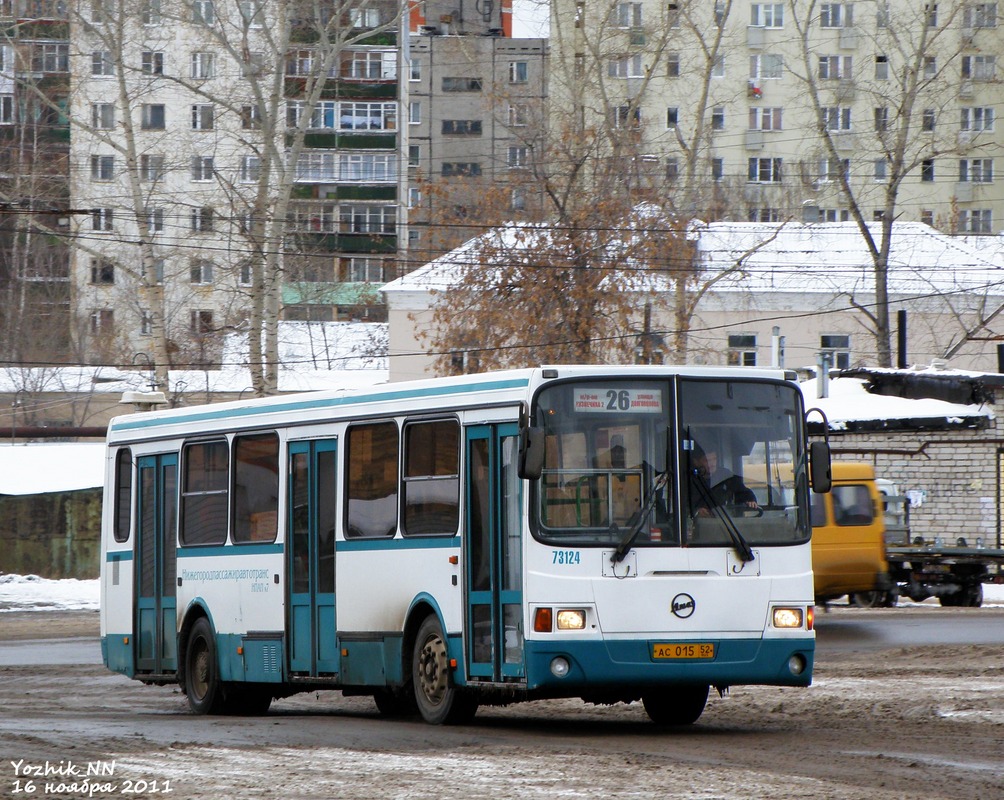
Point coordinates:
[[726, 447]]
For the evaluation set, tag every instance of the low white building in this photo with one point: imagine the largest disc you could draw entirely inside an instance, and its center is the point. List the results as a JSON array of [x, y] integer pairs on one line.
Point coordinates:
[[813, 283]]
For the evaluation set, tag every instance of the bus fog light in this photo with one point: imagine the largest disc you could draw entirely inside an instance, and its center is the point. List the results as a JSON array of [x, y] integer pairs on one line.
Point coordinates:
[[796, 664], [787, 618], [560, 667], [571, 619]]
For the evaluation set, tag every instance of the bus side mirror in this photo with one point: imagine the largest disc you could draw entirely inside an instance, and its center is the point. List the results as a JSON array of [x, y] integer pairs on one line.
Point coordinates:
[[531, 452], [819, 467]]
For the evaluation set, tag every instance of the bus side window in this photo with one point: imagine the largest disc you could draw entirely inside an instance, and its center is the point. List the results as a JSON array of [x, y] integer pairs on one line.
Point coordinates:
[[204, 493], [256, 488], [431, 482], [123, 494], [371, 469]]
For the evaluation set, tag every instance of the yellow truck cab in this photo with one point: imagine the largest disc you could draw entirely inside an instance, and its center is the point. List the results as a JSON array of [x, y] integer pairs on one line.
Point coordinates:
[[848, 537]]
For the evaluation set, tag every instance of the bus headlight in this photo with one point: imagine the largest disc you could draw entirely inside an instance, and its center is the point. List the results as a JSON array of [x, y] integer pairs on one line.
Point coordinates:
[[560, 667], [571, 619], [785, 617]]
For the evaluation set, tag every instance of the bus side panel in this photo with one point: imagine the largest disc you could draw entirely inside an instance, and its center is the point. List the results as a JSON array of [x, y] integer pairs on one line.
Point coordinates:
[[371, 621], [241, 589], [117, 583]]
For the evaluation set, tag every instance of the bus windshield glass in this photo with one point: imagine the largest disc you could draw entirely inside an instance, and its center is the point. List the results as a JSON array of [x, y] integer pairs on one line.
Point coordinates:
[[607, 444]]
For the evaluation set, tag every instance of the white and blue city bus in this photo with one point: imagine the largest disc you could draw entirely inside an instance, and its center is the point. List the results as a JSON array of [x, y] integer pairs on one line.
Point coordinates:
[[447, 543]]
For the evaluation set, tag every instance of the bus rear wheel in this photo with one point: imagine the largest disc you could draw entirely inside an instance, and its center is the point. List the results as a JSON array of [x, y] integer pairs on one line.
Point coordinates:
[[678, 705], [439, 701], [202, 672]]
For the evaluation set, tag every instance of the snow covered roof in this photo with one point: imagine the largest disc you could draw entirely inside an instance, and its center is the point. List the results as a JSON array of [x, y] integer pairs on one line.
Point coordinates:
[[313, 355], [38, 468], [824, 258]]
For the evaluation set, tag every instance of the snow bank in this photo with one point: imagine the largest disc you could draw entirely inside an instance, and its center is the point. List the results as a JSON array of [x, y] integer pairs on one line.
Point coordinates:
[[32, 593]]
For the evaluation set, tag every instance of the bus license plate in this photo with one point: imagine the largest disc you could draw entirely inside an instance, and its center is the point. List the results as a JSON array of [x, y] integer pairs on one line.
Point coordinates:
[[684, 650]]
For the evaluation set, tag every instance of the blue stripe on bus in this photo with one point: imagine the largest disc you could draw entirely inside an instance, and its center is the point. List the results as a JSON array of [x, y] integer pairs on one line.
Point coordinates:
[[418, 543], [118, 555], [231, 550], [316, 403]]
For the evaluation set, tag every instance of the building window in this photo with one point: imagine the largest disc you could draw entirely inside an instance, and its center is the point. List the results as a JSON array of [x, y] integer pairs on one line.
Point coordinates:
[[927, 170], [765, 119], [626, 15], [931, 13], [672, 169], [155, 220], [364, 270], [465, 169], [718, 118], [377, 167], [838, 347], [976, 170], [365, 17], [836, 118], [519, 113], [414, 196], [201, 322], [717, 169], [202, 168], [461, 127], [102, 64], [361, 116], [251, 118], [518, 157], [977, 119], [836, 15], [630, 66], [764, 170], [314, 218], [154, 117], [415, 70], [519, 71], [930, 68], [928, 119], [673, 65], [414, 156], [250, 170], [50, 58], [202, 117], [102, 168], [763, 215], [153, 62], [251, 13], [718, 67], [765, 67], [980, 15], [102, 219], [367, 219], [202, 219], [830, 169], [672, 118], [881, 68], [882, 119], [103, 116], [415, 112], [203, 12], [151, 167], [625, 117], [833, 68], [317, 165], [833, 215], [6, 109], [203, 66], [767, 15], [201, 271], [102, 272], [158, 270], [461, 84], [742, 350], [979, 68], [976, 221], [102, 321], [150, 11]]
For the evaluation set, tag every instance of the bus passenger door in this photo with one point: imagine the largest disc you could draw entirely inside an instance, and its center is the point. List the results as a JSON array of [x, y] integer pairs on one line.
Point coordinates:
[[310, 548], [156, 640], [493, 555]]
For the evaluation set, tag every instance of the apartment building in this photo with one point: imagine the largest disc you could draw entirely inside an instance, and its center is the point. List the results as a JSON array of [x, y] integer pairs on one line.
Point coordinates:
[[34, 172], [240, 168], [475, 113], [795, 111]]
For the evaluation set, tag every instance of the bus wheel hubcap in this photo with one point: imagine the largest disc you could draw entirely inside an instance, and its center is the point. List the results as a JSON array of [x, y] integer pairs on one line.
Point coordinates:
[[432, 670]]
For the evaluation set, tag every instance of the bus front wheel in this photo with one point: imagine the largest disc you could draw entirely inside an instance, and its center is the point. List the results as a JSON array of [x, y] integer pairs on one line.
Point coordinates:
[[202, 672], [439, 701], [678, 705]]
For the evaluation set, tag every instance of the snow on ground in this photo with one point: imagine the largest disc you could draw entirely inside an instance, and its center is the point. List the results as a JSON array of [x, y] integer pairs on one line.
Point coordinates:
[[32, 593]]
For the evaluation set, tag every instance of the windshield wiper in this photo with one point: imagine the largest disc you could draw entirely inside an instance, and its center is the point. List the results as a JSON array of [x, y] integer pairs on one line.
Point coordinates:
[[637, 519], [743, 549]]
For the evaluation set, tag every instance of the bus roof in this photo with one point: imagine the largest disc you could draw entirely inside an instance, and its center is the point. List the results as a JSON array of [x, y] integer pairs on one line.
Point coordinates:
[[498, 387]]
